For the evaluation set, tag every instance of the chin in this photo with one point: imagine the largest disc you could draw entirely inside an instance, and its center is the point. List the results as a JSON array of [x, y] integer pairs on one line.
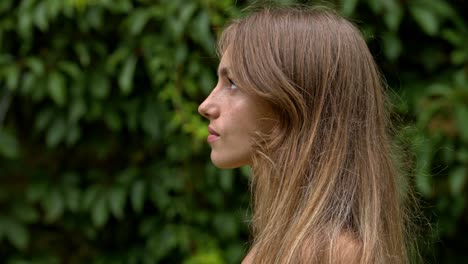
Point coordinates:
[[228, 163]]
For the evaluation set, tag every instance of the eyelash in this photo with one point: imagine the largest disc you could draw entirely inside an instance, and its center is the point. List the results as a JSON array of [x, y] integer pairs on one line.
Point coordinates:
[[232, 86]]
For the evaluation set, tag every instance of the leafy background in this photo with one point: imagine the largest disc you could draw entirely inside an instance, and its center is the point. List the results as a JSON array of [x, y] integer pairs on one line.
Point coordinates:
[[103, 156]]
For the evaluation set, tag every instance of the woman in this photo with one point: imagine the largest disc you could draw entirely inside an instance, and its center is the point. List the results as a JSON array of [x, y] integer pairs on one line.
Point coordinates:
[[300, 100]]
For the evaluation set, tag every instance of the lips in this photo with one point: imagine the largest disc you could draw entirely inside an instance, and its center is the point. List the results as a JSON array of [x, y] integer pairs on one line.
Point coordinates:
[[213, 136]]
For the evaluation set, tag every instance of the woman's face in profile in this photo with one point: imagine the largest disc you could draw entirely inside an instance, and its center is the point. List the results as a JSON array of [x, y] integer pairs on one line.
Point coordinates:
[[234, 116]]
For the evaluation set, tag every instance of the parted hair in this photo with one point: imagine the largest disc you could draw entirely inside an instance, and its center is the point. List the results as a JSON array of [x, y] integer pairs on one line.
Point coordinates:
[[324, 174]]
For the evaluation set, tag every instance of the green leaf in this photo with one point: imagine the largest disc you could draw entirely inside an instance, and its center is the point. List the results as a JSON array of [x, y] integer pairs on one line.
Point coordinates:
[[24, 213], [234, 252], [83, 54], [181, 53], [5, 6], [126, 75], [457, 180], [28, 83], [12, 77], [460, 78], [423, 183], [95, 18], [73, 134], [138, 196], [100, 85], [57, 88], [186, 11], [40, 16], [462, 155], [455, 38], [200, 31], [459, 57], [137, 21], [392, 46], [461, 115], [35, 64], [113, 120], [95, 111], [208, 257], [77, 110], [394, 15], [226, 225], [226, 180], [44, 118], [54, 206], [25, 24], [9, 146], [423, 178], [126, 176], [36, 191], [439, 89], [26, 4], [70, 68], [15, 232], [246, 171], [132, 115], [150, 121], [54, 7], [161, 249], [348, 7], [207, 81], [72, 199], [426, 19], [376, 5], [116, 58], [100, 212], [56, 132], [176, 27], [6, 59], [442, 8], [117, 198], [90, 196], [159, 196]]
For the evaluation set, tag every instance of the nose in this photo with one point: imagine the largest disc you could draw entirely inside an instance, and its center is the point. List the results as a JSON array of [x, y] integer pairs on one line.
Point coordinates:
[[209, 108]]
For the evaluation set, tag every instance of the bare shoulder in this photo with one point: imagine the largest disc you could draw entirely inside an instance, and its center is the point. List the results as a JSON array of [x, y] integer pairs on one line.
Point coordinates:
[[348, 249], [249, 258]]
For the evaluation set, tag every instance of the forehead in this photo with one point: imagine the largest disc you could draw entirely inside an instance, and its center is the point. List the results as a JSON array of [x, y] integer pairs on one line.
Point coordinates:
[[224, 65]]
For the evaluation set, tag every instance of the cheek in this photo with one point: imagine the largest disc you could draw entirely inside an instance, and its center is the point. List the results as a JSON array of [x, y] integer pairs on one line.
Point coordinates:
[[242, 126], [244, 119], [235, 147], [257, 117]]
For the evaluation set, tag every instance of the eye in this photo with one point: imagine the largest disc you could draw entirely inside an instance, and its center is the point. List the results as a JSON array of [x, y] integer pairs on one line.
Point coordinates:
[[231, 85]]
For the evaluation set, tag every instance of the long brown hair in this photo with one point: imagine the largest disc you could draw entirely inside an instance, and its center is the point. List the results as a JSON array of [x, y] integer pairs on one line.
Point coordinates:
[[325, 170]]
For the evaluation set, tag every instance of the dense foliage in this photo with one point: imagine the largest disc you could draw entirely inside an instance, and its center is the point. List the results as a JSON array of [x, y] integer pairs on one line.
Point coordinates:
[[103, 156]]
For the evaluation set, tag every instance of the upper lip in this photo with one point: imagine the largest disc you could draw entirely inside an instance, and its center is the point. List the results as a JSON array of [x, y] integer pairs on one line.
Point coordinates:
[[212, 131]]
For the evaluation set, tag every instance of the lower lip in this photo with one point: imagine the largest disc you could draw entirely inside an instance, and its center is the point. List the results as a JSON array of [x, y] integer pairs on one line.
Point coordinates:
[[212, 138]]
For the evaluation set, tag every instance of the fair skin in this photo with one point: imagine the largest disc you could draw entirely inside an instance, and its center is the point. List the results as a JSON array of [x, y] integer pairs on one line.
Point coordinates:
[[235, 116], [348, 251]]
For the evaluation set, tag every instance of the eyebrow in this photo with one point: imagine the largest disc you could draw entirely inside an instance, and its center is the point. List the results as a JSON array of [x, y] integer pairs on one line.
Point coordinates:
[[224, 71]]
